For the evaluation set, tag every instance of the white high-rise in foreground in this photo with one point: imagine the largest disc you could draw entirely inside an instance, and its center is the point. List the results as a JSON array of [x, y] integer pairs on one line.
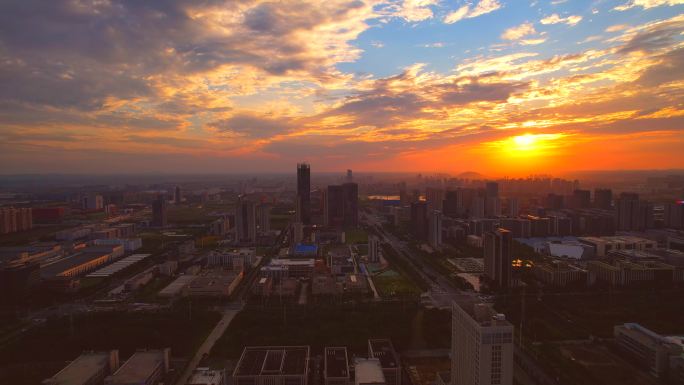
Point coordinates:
[[481, 346]]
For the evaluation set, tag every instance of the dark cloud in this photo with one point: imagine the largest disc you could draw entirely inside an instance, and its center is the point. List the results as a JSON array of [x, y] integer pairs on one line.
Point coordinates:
[[671, 68], [653, 38], [254, 126]]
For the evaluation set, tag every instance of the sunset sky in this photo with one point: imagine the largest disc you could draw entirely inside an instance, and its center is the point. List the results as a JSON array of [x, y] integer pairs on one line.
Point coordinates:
[[502, 87]]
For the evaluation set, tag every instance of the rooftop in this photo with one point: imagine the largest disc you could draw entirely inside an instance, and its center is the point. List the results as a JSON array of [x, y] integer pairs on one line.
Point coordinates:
[[368, 371], [56, 268], [139, 367], [383, 350], [336, 362], [270, 360], [81, 369]]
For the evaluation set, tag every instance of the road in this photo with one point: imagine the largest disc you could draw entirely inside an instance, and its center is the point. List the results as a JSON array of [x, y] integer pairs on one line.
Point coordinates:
[[442, 291], [214, 336]]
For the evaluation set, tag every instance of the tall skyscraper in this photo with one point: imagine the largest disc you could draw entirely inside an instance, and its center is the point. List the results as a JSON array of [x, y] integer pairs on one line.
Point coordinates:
[[304, 193], [177, 195], [497, 256], [603, 198], [492, 189], [434, 198], [632, 214], [350, 176], [513, 207], [481, 345], [159, 215], [245, 221], [581, 199], [264, 217], [435, 229], [342, 205], [453, 203], [674, 215], [419, 220], [373, 249]]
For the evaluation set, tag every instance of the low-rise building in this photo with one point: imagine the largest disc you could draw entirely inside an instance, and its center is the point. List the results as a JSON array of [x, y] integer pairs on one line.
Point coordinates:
[[146, 367], [559, 274], [336, 366], [383, 350], [368, 372], [214, 283], [90, 368], [272, 365], [205, 376], [603, 245], [651, 349], [625, 273]]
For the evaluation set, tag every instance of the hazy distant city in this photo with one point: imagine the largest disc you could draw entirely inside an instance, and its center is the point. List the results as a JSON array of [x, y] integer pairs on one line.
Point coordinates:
[[342, 278]]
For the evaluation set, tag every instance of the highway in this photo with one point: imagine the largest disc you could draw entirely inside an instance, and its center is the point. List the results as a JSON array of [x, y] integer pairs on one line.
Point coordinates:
[[442, 291]]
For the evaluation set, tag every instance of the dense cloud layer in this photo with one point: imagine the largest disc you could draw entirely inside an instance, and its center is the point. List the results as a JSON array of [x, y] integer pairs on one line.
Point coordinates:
[[259, 80]]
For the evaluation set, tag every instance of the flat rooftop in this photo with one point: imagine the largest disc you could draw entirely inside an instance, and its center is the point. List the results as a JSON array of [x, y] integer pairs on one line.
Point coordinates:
[[81, 369], [336, 362], [273, 360], [138, 368], [369, 371], [68, 263], [383, 350]]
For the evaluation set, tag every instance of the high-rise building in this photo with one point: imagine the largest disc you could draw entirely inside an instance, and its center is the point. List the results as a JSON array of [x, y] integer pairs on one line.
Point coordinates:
[[92, 202], [342, 207], [351, 205], [15, 219], [513, 207], [603, 198], [304, 193], [264, 217], [245, 221], [481, 346], [419, 220], [632, 214], [350, 176], [435, 229], [177, 195], [159, 215], [493, 207], [581, 199], [492, 190], [477, 207], [434, 198], [453, 203], [373, 249], [674, 215], [497, 256]]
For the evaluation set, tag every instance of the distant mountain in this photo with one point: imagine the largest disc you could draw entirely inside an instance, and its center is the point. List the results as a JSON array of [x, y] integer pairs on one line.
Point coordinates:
[[470, 175]]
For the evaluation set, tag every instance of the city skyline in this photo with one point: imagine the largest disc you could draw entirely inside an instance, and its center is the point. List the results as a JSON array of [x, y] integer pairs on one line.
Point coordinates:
[[497, 87]]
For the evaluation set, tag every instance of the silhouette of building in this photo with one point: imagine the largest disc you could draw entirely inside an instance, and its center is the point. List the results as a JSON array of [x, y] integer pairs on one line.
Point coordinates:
[[481, 346], [435, 229], [632, 214], [92, 202], [177, 195], [264, 217], [304, 193], [245, 221], [581, 199], [159, 212], [342, 205], [373, 249], [497, 256], [603, 198], [419, 220]]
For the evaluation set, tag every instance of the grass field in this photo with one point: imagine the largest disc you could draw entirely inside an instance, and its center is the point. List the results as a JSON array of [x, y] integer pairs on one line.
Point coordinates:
[[395, 286]]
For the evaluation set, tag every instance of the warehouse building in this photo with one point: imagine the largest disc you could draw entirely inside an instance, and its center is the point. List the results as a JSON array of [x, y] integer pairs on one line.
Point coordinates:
[[272, 365], [89, 368]]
